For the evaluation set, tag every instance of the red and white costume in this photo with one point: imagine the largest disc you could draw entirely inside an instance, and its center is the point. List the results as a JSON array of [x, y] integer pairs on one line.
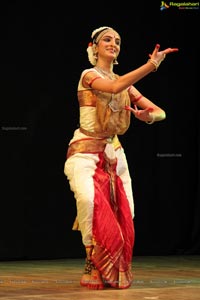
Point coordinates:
[[98, 174]]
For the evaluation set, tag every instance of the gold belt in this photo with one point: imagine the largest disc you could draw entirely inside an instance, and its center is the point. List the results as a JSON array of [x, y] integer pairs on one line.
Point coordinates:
[[97, 135]]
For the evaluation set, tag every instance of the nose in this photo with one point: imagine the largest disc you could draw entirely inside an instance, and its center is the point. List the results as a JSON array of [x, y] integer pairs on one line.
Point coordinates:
[[113, 42]]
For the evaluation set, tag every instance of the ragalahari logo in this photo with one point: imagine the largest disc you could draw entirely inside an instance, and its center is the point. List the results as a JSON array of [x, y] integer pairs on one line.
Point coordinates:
[[179, 5], [164, 5]]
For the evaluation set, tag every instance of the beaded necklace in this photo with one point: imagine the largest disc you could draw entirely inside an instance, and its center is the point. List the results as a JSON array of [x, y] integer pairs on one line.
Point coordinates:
[[105, 73]]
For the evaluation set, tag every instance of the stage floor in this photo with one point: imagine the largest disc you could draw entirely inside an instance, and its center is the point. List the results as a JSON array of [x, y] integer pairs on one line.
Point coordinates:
[[155, 277]]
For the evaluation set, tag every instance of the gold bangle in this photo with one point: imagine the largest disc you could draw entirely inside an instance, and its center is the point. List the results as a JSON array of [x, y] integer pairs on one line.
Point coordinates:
[[154, 62], [152, 121]]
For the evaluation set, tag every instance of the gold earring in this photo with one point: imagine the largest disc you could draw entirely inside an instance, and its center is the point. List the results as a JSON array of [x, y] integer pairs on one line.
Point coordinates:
[[95, 55]]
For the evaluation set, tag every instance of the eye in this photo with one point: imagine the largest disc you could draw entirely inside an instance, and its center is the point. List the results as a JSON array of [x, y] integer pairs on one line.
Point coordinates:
[[117, 42], [107, 39]]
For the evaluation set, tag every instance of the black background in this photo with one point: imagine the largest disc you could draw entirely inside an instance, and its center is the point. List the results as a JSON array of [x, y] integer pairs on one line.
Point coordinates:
[[43, 51]]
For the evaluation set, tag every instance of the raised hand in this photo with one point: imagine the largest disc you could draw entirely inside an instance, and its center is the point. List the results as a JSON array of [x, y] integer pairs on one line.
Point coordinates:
[[158, 56]]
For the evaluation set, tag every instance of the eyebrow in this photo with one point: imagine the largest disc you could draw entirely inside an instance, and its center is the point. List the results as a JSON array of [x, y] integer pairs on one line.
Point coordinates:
[[110, 36]]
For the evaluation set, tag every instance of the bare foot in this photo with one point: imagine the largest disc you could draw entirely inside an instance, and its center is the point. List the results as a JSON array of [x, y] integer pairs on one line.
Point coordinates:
[[85, 279], [95, 282], [91, 277]]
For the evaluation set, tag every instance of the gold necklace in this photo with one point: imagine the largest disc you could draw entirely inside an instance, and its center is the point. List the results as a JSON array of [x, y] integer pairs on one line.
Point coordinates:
[[114, 103], [105, 73]]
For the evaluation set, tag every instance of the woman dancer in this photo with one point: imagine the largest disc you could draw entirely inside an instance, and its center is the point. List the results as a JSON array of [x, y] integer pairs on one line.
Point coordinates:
[[96, 165]]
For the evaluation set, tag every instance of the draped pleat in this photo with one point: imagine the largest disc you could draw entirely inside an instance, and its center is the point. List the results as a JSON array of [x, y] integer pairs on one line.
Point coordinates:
[[113, 227]]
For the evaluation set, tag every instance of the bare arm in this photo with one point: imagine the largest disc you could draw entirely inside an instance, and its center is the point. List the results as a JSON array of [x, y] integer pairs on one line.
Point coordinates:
[[124, 81], [143, 108]]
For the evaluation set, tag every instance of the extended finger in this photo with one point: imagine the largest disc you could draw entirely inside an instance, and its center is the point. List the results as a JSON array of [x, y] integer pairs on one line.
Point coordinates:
[[127, 107], [170, 50], [155, 51]]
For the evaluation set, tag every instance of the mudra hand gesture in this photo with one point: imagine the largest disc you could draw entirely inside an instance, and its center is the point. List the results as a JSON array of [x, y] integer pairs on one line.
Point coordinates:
[[158, 56], [141, 114]]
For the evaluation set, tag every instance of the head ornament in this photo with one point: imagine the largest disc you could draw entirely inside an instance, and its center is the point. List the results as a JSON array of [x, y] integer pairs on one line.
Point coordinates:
[[95, 36]]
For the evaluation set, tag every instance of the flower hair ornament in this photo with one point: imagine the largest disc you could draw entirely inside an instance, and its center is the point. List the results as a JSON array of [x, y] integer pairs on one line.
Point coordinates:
[[91, 49]]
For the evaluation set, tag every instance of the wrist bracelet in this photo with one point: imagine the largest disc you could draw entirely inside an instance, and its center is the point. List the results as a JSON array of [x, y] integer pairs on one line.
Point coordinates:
[[154, 62], [152, 121]]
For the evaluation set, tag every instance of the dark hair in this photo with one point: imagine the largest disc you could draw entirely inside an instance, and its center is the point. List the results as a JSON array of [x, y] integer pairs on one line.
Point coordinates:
[[97, 34]]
